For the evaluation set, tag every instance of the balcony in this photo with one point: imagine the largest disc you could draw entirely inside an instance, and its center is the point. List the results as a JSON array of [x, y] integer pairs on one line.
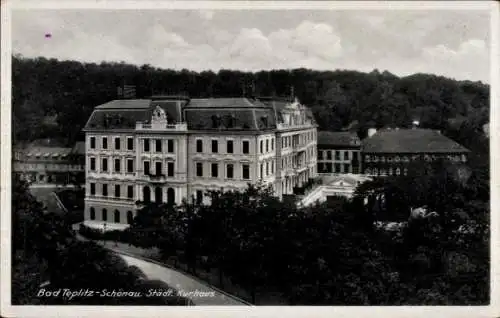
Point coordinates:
[[161, 126], [156, 178]]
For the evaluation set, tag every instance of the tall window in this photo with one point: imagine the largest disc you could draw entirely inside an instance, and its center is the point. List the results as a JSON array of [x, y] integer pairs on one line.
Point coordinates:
[[199, 145], [92, 164], [130, 192], [245, 172], [229, 171], [146, 168], [104, 164], [92, 142], [215, 170], [117, 165], [328, 155], [262, 146], [117, 216], [171, 195], [337, 155], [215, 146], [146, 145], [199, 169], [130, 165], [117, 191], [229, 146], [261, 170], [346, 155], [92, 213], [170, 168], [158, 168], [104, 142], [130, 143], [158, 195], [158, 145], [272, 144], [146, 194], [267, 168], [246, 146], [272, 167], [170, 145], [117, 143], [104, 214], [105, 190], [92, 189], [267, 145], [346, 168]]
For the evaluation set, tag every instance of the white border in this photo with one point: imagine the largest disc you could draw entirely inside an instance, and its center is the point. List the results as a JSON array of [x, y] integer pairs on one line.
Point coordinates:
[[224, 311]]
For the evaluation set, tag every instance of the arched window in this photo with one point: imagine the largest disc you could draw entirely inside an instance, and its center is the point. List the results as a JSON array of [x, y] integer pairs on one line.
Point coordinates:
[[390, 171], [396, 159], [92, 213], [146, 194], [405, 171], [130, 217], [170, 195], [464, 158], [117, 216], [104, 214], [398, 171], [158, 195]]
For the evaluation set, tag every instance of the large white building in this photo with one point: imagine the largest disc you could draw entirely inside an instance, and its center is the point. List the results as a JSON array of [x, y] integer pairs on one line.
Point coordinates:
[[167, 149]]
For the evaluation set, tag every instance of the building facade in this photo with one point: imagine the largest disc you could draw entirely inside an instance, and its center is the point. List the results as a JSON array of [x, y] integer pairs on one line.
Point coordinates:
[[338, 153], [394, 151], [170, 149], [44, 163]]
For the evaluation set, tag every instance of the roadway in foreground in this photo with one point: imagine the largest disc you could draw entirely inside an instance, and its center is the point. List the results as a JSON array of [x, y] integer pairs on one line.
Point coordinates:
[[183, 283]]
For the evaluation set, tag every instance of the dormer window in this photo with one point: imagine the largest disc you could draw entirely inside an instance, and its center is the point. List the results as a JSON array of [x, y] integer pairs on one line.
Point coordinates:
[[215, 121]]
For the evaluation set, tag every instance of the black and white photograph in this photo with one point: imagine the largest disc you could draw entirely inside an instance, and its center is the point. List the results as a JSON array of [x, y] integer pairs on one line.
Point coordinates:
[[275, 154]]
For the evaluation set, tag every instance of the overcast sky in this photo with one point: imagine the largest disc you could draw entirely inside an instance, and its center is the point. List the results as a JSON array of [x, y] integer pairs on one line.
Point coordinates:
[[450, 43]]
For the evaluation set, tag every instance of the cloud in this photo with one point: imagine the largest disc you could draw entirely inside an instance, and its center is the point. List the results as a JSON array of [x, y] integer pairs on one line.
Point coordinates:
[[401, 42]]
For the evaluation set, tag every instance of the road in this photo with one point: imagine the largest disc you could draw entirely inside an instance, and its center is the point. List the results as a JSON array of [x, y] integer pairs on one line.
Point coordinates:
[[183, 283]]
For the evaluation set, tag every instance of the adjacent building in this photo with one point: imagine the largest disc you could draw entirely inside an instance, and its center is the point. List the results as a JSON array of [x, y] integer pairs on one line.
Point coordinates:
[[338, 153], [173, 148], [393, 151], [45, 162]]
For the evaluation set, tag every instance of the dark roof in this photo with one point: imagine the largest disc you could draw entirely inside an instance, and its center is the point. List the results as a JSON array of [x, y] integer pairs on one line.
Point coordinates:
[[126, 104], [342, 138], [411, 141], [239, 102]]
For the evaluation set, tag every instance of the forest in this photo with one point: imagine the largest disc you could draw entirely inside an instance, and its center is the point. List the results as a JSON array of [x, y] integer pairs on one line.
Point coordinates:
[[54, 99]]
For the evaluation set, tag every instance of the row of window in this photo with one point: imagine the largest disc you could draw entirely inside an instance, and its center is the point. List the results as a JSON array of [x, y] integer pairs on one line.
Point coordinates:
[[269, 169], [388, 172], [117, 143], [299, 139], [329, 154], [214, 170], [117, 165], [158, 171], [40, 166], [116, 214], [267, 148], [328, 167], [158, 143], [371, 158], [117, 190], [245, 146]]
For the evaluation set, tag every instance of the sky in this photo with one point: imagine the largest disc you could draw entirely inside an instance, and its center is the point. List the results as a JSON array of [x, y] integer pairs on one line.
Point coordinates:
[[451, 43]]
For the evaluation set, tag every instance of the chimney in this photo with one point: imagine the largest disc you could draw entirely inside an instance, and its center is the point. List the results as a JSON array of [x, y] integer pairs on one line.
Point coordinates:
[[371, 132]]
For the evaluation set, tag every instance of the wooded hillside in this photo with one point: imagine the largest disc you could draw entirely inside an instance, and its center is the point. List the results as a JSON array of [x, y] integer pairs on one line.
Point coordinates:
[[54, 98]]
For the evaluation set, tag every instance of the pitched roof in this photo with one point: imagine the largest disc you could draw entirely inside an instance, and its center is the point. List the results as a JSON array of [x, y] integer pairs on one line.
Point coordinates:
[[239, 102], [411, 141], [340, 138], [126, 104]]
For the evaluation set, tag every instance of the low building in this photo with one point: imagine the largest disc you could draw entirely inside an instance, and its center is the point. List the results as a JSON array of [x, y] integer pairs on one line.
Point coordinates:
[[46, 163], [340, 185], [338, 153], [393, 151]]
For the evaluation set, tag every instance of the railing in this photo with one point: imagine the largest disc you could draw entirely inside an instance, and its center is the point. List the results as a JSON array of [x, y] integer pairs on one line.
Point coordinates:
[[160, 126]]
